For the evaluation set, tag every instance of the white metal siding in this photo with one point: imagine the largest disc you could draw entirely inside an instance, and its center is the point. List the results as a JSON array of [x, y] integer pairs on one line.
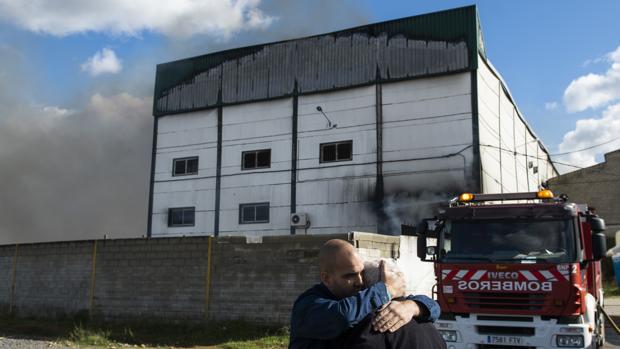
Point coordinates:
[[427, 118], [488, 126], [512, 159], [337, 196], [507, 141], [178, 136], [521, 158], [427, 149], [254, 126]]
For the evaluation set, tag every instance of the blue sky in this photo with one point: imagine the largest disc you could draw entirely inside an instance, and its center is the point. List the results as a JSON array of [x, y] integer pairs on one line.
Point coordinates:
[[540, 47], [76, 82]]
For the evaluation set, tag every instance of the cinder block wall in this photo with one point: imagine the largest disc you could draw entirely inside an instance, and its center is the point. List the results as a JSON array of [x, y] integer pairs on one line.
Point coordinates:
[[6, 272], [52, 278], [169, 279], [598, 186]]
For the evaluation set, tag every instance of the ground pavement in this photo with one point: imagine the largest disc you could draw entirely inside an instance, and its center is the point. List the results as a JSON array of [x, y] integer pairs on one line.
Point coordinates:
[[612, 307]]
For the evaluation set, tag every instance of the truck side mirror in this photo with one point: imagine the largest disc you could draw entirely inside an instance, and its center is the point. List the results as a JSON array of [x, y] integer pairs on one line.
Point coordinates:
[[422, 228], [421, 231], [599, 245], [422, 247], [597, 224]]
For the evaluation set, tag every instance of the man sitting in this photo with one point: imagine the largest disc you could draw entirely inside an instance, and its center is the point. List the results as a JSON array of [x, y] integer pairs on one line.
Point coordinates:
[[340, 313]]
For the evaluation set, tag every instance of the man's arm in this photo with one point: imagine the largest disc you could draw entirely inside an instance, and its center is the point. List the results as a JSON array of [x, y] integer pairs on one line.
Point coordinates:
[[322, 318], [399, 312], [429, 309]]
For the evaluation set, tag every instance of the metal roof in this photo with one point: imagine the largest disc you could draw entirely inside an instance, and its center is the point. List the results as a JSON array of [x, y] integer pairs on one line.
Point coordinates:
[[430, 44]]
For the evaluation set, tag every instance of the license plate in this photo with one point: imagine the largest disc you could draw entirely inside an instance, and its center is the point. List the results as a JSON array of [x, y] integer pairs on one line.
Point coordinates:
[[509, 340]]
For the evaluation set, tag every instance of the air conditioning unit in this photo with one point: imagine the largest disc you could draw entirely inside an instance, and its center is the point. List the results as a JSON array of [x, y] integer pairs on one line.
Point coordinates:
[[299, 220]]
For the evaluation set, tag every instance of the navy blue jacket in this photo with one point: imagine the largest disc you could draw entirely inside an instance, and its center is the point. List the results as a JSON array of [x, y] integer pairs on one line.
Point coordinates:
[[319, 317]]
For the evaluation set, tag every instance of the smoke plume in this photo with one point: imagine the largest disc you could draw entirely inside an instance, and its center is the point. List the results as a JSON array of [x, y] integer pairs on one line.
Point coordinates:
[[81, 170], [409, 208], [75, 175]]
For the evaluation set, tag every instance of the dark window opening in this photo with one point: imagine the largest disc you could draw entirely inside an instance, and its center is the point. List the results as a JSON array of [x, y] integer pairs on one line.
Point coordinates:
[[337, 151], [181, 216], [254, 159], [329, 152], [254, 213], [185, 166]]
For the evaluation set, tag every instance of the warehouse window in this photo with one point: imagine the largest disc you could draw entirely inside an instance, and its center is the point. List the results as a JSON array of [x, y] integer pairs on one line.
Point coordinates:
[[185, 166], [181, 216], [254, 159], [337, 151], [254, 213]]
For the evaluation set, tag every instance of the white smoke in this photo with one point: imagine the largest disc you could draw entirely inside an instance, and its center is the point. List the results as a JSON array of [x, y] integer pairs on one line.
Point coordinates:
[[406, 208], [78, 168]]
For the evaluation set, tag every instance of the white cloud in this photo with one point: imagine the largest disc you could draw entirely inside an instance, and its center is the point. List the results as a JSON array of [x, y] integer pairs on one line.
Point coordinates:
[[595, 90], [589, 132], [589, 62], [52, 114], [57, 112], [179, 18], [600, 133], [551, 105], [103, 62]]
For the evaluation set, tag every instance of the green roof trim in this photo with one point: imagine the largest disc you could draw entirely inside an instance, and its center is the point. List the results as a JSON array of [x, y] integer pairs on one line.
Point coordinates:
[[429, 44]]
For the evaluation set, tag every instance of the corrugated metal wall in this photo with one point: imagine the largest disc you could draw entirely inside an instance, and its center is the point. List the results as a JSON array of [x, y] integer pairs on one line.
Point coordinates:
[[512, 158], [407, 48], [316, 64]]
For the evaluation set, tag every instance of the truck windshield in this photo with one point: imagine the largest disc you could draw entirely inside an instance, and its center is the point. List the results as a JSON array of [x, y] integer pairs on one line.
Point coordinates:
[[519, 241]]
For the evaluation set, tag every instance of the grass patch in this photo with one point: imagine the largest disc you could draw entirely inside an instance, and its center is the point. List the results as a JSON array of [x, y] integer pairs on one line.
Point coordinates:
[[611, 289], [228, 335], [84, 336]]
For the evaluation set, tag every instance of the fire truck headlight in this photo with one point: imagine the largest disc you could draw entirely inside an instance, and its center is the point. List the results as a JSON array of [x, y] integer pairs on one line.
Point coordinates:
[[563, 340], [448, 336]]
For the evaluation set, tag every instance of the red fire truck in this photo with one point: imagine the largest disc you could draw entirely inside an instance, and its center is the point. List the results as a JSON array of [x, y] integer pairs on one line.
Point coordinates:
[[516, 270]]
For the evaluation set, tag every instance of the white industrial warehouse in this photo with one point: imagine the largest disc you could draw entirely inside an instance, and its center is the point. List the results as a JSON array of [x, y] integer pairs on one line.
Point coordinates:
[[347, 131]]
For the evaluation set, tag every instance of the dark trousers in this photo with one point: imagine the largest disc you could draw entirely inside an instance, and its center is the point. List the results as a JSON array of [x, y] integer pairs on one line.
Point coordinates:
[[413, 335]]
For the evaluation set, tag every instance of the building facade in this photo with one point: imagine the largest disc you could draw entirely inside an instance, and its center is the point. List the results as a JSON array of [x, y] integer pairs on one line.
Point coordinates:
[[357, 130], [598, 186]]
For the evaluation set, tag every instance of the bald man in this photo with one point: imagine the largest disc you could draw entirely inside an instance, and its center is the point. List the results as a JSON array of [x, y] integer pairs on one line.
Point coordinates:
[[340, 313]]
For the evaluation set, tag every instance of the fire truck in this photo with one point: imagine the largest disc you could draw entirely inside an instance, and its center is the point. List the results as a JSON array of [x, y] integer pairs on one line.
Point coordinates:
[[517, 270]]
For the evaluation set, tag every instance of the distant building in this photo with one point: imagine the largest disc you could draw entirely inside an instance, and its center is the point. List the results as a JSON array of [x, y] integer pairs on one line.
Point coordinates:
[[598, 186], [355, 130]]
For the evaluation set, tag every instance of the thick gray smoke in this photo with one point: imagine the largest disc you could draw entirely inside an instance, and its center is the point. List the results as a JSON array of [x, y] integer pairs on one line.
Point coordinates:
[[407, 208], [75, 175], [80, 171], [294, 19]]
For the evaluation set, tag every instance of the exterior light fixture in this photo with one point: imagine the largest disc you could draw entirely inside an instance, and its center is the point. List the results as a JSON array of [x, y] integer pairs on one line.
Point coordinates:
[[329, 122]]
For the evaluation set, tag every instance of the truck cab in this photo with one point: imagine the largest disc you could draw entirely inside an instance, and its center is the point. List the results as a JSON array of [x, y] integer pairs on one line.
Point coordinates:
[[516, 270]]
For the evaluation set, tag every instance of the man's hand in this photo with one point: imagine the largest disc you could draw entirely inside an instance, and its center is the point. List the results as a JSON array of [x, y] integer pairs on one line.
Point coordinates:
[[395, 282], [395, 315]]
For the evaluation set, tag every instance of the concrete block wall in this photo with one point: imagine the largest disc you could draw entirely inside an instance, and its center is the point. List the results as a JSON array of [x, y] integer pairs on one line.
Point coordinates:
[[169, 279], [52, 279], [598, 186], [151, 278], [7, 254]]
